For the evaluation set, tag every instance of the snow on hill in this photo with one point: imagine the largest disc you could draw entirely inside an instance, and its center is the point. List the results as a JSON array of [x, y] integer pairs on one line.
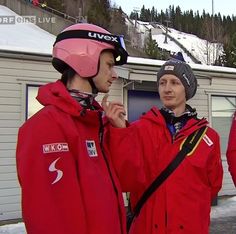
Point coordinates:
[[203, 50], [194, 49], [28, 37], [17, 35]]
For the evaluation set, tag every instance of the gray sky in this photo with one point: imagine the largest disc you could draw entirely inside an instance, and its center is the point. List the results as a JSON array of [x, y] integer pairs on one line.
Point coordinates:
[[226, 7]]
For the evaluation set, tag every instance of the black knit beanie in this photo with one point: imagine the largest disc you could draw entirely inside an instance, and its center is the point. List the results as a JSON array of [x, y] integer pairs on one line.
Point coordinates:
[[183, 71]]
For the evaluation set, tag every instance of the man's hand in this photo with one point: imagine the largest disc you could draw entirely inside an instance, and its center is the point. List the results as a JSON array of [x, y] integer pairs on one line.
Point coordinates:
[[115, 112]]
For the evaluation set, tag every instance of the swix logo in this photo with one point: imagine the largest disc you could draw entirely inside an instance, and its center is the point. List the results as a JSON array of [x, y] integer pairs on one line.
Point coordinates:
[[55, 147], [102, 36], [53, 168], [91, 148]]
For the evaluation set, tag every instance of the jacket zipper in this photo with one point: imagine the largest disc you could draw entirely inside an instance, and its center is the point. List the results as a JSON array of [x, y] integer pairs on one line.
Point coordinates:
[[101, 133]]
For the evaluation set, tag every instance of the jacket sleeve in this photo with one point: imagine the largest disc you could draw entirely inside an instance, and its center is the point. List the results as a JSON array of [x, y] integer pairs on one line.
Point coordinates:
[[125, 146], [231, 150], [215, 168], [51, 195]]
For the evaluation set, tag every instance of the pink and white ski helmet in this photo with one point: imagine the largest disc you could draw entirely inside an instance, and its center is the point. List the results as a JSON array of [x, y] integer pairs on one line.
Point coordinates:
[[79, 46]]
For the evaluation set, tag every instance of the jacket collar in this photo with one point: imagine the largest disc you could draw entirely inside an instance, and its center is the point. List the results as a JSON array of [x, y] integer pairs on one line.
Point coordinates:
[[191, 125], [57, 95]]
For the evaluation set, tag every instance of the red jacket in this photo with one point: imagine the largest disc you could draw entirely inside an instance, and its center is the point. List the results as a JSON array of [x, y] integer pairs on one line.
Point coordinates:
[[68, 184], [231, 150], [35, 2], [182, 204]]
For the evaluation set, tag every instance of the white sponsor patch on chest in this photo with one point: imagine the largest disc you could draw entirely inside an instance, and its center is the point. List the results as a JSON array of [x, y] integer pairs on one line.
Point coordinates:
[[55, 147], [207, 140], [91, 148]]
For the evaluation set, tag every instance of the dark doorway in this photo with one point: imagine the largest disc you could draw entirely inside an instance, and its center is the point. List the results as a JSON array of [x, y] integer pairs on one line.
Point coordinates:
[[140, 102]]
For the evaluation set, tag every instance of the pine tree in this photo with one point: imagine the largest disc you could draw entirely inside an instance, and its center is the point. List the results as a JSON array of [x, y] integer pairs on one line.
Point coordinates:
[[99, 13], [151, 47], [153, 15], [143, 15], [177, 18], [230, 52], [117, 23], [133, 15]]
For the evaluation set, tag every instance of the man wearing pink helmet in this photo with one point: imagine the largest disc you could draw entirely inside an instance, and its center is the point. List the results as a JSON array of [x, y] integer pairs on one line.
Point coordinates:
[[68, 184]]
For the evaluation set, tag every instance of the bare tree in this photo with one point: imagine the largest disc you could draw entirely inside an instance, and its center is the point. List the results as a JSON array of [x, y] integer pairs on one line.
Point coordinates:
[[207, 34], [76, 8]]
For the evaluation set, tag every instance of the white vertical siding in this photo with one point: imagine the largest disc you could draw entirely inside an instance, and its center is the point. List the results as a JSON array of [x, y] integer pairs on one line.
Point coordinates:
[[9, 123], [12, 73], [200, 101], [227, 87]]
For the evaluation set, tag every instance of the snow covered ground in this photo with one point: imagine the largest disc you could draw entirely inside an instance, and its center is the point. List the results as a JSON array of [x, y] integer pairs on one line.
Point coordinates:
[[202, 50], [23, 37], [226, 207], [13, 229], [28, 37]]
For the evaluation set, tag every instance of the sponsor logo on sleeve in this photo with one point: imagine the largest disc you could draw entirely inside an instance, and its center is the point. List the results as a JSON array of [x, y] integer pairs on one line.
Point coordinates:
[[55, 148], [207, 140]]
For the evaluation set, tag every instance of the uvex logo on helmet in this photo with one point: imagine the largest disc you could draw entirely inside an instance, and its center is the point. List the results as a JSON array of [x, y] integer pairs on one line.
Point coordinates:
[[79, 47], [103, 37]]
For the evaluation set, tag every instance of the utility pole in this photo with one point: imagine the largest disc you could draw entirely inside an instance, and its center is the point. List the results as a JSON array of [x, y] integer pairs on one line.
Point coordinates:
[[167, 21], [136, 11], [167, 25], [135, 41], [213, 26]]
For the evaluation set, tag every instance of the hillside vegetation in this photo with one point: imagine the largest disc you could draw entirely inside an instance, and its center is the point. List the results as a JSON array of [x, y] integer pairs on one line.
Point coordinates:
[[217, 28]]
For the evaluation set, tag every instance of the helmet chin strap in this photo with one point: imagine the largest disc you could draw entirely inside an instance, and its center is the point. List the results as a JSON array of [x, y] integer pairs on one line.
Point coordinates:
[[91, 82], [94, 88]]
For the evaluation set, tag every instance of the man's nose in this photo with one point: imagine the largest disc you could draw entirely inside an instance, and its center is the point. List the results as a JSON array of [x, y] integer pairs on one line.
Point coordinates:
[[167, 87], [114, 74]]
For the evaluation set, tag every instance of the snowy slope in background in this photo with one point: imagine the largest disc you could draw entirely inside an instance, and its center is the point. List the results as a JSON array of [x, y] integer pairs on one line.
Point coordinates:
[[170, 46], [202, 50], [24, 37], [28, 37]]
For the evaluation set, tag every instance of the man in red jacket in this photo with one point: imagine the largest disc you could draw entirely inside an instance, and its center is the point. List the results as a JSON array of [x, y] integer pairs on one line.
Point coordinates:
[[142, 150], [68, 183], [35, 2], [231, 150]]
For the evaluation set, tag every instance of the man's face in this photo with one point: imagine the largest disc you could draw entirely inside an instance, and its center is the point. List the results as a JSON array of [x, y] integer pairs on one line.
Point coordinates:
[[106, 75], [172, 92]]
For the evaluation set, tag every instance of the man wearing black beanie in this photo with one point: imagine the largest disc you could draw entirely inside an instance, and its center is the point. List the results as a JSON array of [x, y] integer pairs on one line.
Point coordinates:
[[142, 150]]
